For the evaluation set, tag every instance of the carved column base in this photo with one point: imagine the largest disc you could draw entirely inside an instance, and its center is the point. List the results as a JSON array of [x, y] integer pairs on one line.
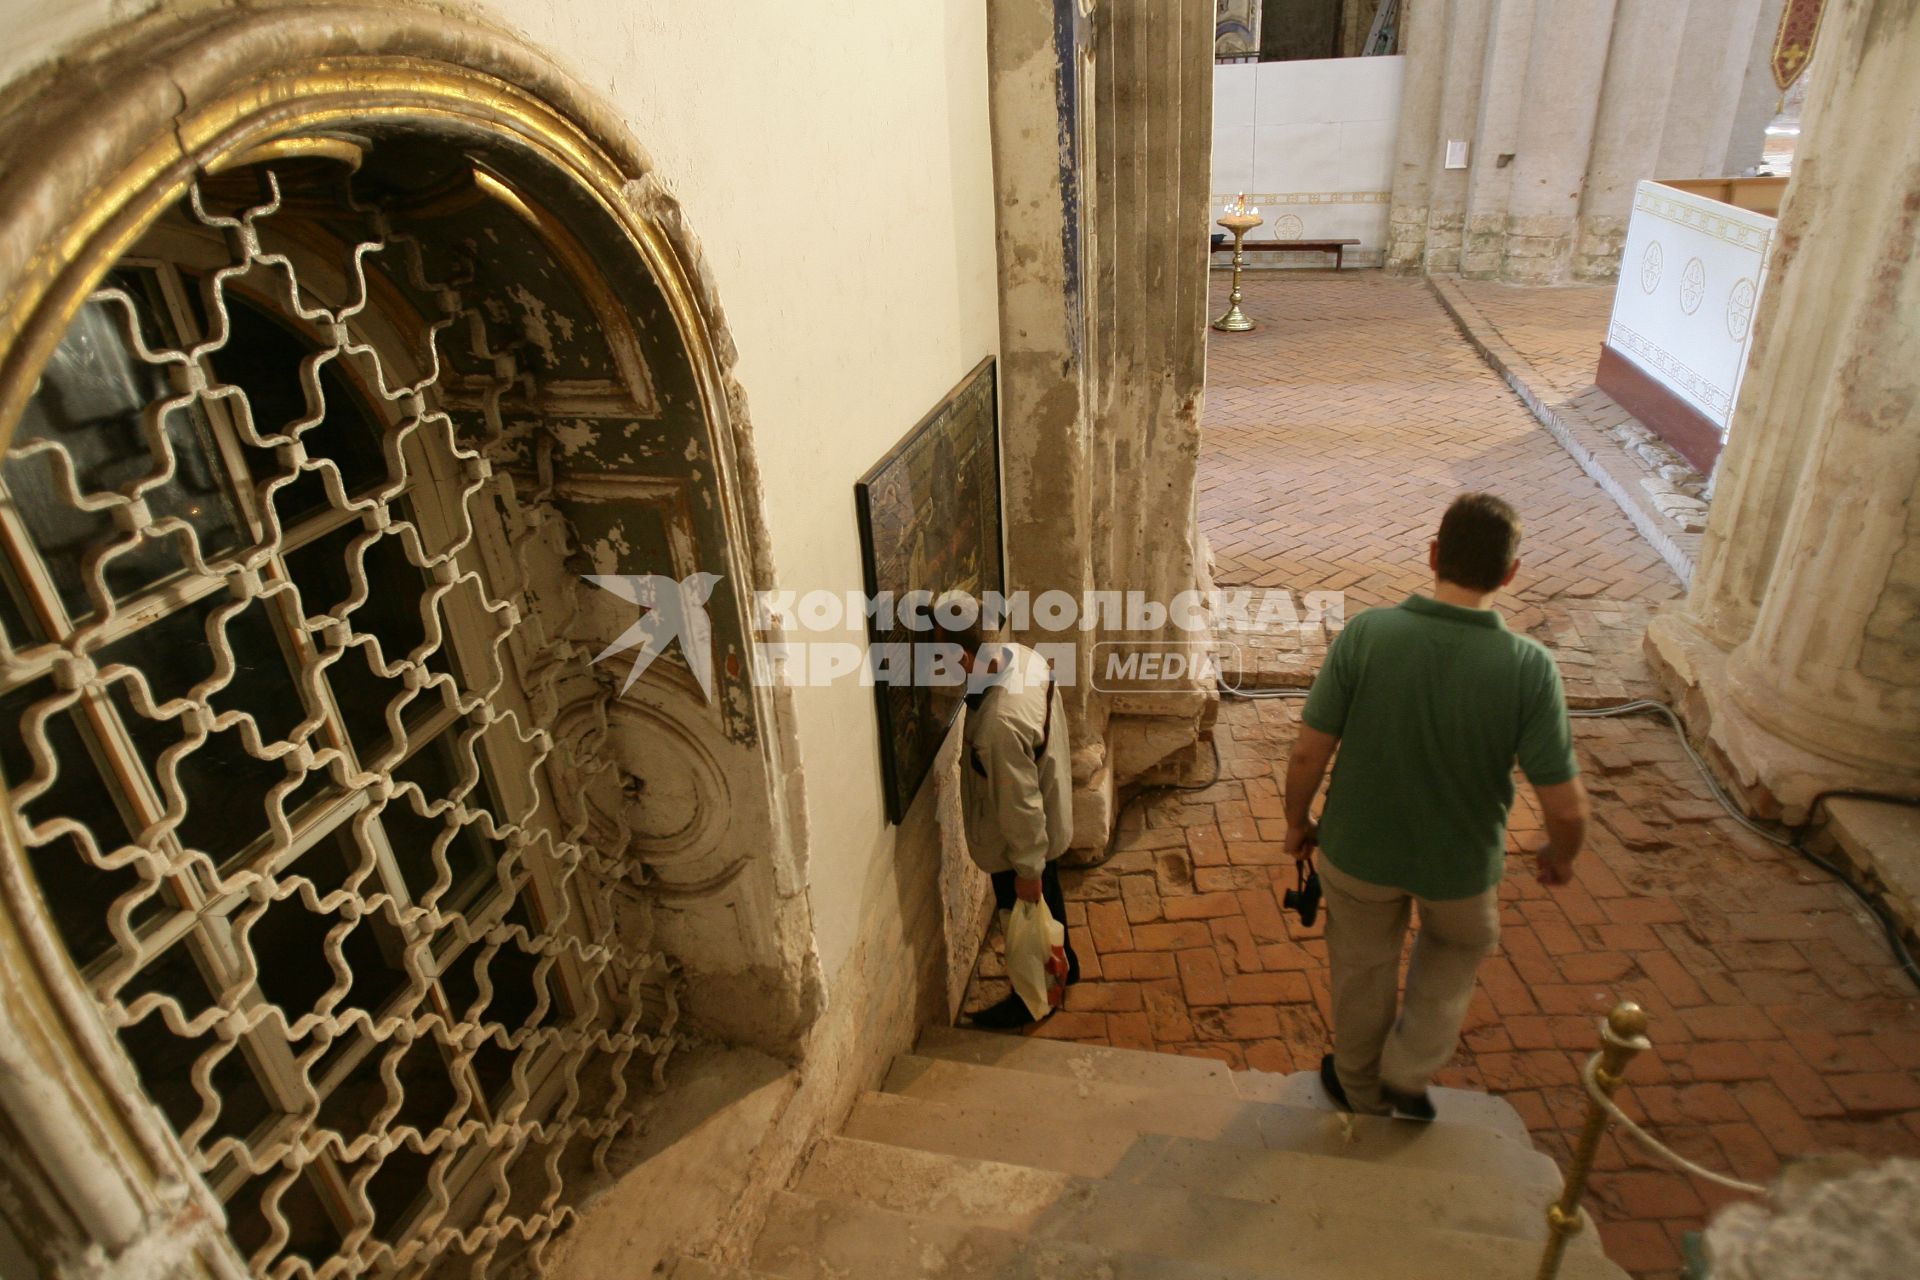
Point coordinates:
[[1151, 740], [1096, 802], [1766, 774]]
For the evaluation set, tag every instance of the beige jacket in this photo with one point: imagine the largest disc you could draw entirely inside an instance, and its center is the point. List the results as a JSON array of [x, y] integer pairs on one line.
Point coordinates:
[[1018, 799]]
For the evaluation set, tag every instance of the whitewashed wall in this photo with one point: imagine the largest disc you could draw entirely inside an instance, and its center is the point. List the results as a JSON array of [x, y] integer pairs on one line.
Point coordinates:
[[1690, 279], [1312, 143]]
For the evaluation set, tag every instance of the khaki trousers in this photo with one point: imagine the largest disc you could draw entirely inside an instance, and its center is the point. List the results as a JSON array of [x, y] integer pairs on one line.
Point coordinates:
[[1366, 924]]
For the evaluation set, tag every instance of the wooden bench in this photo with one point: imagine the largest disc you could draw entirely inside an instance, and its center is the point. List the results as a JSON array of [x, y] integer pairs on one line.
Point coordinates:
[[1335, 247]]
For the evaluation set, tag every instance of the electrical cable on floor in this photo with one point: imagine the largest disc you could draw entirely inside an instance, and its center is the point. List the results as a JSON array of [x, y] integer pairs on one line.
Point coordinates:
[[1795, 839]]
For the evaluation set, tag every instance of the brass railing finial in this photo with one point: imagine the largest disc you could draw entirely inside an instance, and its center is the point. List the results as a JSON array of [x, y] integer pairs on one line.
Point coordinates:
[[1622, 1036]]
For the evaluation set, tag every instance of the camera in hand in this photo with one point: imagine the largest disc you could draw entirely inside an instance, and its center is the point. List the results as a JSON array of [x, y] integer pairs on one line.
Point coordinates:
[[1306, 898]]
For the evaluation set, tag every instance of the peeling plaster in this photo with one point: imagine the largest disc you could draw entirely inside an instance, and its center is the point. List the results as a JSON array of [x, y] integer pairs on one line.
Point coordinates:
[[533, 323], [574, 435]]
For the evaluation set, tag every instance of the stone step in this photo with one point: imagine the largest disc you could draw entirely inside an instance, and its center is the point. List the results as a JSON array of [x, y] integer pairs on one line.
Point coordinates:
[[1142, 1069], [810, 1237], [1453, 1106], [701, 1269], [1094, 1123], [1196, 1182], [1078, 1061]]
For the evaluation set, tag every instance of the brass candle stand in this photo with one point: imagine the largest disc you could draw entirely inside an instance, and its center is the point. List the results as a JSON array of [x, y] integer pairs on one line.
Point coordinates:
[[1235, 320]]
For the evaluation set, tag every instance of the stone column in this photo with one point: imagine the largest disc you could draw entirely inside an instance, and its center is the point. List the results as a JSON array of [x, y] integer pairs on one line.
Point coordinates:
[[1033, 68], [1759, 95], [1153, 66], [1626, 139], [1489, 170], [1467, 22], [1715, 46], [1775, 422], [1566, 62], [1101, 159], [1423, 39], [1812, 560]]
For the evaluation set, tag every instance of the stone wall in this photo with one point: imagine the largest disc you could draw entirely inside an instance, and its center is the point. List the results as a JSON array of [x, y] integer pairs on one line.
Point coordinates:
[[1564, 105]]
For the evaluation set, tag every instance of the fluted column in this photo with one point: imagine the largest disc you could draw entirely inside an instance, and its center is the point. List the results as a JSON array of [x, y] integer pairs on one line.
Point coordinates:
[[1812, 561], [1153, 66], [1503, 86], [1759, 95], [1566, 63], [1423, 39], [1101, 116], [1467, 23], [1626, 140], [1716, 46], [1833, 661]]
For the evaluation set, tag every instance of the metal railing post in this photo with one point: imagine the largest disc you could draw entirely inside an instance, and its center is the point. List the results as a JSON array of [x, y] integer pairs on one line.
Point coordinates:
[[1622, 1036]]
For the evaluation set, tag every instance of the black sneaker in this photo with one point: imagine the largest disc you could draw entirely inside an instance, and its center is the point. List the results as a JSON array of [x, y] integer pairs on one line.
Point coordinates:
[[1330, 1081], [1009, 1015], [1409, 1106]]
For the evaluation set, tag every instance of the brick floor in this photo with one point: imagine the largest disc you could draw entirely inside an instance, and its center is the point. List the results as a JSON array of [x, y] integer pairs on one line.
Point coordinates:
[[1780, 1024], [1559, 331], [1335, 434]]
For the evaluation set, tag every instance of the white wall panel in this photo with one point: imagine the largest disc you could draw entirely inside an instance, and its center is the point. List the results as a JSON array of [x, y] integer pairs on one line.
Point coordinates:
[[1311, 143], [1690, 280]]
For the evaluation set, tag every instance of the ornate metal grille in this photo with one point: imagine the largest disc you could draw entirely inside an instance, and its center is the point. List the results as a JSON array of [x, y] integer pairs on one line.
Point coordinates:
[[275, 721]]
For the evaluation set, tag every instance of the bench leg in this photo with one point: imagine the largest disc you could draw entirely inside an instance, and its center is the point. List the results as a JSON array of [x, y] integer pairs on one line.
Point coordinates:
[[1339, 251]]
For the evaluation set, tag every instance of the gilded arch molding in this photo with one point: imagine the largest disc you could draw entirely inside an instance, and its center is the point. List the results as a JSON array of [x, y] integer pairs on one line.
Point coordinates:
[[96, 147], [162, 97]]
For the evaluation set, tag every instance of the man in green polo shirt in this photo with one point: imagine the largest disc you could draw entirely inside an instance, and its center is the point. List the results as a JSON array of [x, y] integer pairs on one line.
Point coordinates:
[[1430, 704]]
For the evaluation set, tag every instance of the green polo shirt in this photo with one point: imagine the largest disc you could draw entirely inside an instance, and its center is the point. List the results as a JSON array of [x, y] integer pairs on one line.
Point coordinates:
[[1432, 704]]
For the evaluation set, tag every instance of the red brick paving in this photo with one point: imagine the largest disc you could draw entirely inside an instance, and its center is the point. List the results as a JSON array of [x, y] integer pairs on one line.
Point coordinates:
[[1781, 1025], [1559, 330], [1335, 434]]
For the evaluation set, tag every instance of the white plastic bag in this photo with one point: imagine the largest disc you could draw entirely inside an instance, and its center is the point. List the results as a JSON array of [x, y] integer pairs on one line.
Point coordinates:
[[1037, 956]]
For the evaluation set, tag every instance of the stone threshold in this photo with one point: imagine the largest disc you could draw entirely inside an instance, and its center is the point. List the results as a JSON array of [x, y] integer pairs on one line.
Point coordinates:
[[1581, 425], [1880, 842], [1288, 658]]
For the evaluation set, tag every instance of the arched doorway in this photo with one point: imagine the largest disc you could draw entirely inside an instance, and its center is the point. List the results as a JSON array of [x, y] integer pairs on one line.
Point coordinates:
[[357, 901]]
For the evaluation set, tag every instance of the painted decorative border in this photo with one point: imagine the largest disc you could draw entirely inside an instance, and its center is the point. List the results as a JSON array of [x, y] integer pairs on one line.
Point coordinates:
[[1678, 211], [1308, 197], [1683, 378]]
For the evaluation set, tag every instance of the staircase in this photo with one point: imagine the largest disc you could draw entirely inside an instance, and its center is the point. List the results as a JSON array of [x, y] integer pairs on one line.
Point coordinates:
[[1022, 1159]]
